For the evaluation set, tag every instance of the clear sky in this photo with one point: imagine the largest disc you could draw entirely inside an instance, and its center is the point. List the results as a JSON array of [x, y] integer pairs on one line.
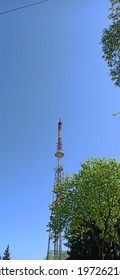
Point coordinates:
[[51, 67]]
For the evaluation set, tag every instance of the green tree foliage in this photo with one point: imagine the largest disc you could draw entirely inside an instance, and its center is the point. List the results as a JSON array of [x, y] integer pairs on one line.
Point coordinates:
[[6, 255], [86, 248], [88, 203], [111, 42]]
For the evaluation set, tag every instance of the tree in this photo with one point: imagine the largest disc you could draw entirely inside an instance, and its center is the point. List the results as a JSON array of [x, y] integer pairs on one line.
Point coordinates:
[[6, 255], [111, 42], [85, 248], [88, 203]]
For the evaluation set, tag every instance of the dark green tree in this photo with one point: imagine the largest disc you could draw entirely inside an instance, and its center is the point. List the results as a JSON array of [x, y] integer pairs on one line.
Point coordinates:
[[6, 254], [111, 42], [88, 204], [87, 246]]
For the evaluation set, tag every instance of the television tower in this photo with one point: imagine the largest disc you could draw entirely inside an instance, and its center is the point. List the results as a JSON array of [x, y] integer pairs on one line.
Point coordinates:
[[55, 243]]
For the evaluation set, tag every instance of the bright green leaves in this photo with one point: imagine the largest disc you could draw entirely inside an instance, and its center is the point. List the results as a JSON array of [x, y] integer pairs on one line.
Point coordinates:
[[91, 195], [115, 114], [111, 42]]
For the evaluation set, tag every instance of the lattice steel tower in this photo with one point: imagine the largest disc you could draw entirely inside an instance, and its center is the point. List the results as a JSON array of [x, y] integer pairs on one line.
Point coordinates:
[[55, 243]]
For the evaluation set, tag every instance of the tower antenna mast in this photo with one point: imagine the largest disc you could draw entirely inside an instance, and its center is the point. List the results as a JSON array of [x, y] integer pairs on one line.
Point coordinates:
[[56, 249]]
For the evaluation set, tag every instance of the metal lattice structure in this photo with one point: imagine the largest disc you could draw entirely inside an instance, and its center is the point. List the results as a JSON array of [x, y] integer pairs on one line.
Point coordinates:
[[55, 243]]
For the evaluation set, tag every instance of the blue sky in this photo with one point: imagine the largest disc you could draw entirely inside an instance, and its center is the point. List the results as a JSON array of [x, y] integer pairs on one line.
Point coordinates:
[[51, 66]]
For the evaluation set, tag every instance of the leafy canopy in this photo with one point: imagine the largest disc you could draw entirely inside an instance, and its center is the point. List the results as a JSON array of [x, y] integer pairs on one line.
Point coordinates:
[[111, 42], [90, 196]]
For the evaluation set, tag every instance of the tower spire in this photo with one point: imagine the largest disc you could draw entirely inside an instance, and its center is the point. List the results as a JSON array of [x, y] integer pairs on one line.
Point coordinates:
[[59, 153], [53, 240]]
